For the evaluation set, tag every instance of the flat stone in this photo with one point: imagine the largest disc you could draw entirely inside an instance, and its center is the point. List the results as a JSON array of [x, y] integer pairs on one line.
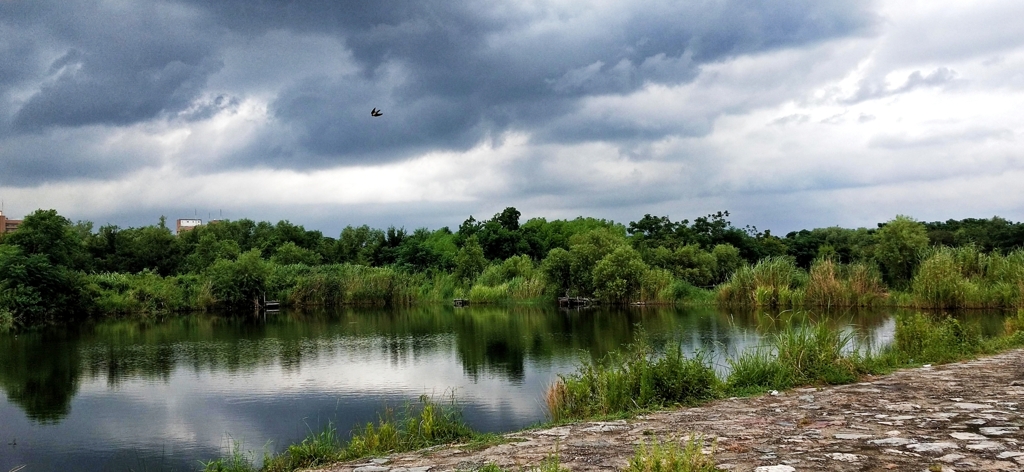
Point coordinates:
[[1009, 454], [968, 436], [976, 422], [932, 447], [842, 457], [985, 446], [852, 436], [371, 468], [998, 430], [951, 458], [775, 468], [970, 406], [380, 461], [605, 427], [562, 431], [905, 407], [892, 442]]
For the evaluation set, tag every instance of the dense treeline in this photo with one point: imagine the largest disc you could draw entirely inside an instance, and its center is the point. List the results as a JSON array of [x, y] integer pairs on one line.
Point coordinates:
[[53, 270]]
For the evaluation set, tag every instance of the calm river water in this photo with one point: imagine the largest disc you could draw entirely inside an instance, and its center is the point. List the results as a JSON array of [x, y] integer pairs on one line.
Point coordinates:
[[151, 396]]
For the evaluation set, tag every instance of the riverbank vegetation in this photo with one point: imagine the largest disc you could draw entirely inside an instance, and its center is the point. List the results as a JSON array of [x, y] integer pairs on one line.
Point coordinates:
[[417, 426], [799, 354], [54, 271]]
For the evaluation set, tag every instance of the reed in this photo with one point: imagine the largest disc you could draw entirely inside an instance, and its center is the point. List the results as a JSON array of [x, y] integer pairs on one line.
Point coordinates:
[[769, 283], [920, 339], [963, 277], [636, 380]]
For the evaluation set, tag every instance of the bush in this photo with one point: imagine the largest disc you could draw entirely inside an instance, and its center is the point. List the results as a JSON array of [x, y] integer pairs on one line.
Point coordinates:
[[242, 282]]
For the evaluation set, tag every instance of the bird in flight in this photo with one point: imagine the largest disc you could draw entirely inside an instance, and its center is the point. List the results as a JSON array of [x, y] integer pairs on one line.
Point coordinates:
[[376, 112]]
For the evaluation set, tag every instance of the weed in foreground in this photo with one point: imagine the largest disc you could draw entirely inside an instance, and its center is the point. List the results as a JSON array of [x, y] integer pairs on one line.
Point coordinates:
[[237, 461], [672, 456]]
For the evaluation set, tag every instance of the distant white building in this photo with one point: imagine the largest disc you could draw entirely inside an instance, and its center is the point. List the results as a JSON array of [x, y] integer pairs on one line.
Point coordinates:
[[188, 224]]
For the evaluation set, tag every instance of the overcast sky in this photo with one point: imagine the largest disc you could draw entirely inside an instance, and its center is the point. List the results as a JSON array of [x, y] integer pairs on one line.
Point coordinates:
[[789, 114]]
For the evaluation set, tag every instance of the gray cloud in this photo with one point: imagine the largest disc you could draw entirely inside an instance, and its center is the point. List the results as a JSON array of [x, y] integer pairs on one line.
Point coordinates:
[[872, 89], [114, 65], [447, 74], [456, 90]]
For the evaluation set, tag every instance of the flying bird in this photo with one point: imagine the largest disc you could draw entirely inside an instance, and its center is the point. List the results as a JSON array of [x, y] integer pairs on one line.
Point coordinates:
[[376, 112]]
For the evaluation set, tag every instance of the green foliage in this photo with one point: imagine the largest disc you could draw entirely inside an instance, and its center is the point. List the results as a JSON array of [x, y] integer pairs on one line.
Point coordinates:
[[470, 261], [618, 276], [146, 293], [922, 339], [34, 291], [771, 282], [557, 269], [47, 234], [757, 371], [239, 283], [416, 427], [988, 234], [964, 277], [637, 380], [290, 253], [832, 284], [672, 456], [816, 354], [900, 243]]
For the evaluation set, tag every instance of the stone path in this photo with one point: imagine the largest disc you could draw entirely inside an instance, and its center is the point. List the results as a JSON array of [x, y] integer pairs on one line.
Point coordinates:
[[956, 417]]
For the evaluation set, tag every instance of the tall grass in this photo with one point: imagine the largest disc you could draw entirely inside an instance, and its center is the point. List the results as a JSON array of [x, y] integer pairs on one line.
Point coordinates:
[[773, 281], [636, 380], [147, 293], [921, 338], [346, 284], [831, 284], [964, 277], [796, 355]]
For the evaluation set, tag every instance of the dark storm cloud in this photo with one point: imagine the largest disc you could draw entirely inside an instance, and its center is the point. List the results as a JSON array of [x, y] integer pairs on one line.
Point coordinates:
[[110, 64], [447, 74], [468, 72]]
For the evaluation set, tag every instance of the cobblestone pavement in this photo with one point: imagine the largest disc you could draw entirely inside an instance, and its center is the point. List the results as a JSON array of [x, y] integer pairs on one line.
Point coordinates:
[[956, 417]]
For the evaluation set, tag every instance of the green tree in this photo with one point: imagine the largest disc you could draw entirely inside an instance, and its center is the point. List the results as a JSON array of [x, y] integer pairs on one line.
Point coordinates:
[[618, 276], [239, 283], [52, 236], [34, 291], [727, 261], [900, 242], [557, 269], [291, 253], [470, 261]]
